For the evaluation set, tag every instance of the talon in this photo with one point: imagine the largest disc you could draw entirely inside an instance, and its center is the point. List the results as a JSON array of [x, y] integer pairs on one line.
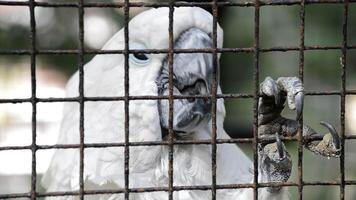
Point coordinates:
[[333, 133], [299, 97], [277, 100], [329, 146], [270, 88], [280, 147]]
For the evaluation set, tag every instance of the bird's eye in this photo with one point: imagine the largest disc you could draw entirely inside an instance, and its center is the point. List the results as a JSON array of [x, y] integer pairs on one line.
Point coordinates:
[[139, 58]]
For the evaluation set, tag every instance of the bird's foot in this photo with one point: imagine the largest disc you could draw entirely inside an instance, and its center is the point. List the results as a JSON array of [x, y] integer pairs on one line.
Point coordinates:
[[275, 164], [274, 95]]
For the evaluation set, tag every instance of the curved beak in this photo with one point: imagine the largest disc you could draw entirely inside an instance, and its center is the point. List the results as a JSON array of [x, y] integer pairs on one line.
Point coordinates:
[[192, 75]]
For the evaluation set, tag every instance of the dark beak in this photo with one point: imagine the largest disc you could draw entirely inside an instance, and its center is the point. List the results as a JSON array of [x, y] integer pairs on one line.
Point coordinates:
[[192, 75]]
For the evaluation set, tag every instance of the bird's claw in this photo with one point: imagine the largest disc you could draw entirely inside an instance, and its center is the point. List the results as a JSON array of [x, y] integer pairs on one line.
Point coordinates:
[[280, 148], [333, 133], [275, 163], [275, 93], [329, 146], [270, 88], [293, 86], [299, 98]]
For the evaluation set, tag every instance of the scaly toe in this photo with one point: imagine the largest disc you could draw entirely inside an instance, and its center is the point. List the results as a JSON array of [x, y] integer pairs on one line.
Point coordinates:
[[276, 163]]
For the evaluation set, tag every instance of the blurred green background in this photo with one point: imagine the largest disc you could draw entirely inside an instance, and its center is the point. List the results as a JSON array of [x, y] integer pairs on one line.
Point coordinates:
[[57, 28]]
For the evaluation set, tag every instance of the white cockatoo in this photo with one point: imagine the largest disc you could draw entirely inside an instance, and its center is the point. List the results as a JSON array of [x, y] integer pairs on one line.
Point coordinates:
[[148, 119]]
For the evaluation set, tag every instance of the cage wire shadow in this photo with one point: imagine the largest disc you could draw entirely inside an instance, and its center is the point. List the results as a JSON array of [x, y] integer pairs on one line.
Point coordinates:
[[214, 5]]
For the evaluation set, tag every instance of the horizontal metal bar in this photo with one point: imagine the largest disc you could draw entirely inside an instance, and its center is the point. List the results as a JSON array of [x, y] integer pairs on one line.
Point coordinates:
[[119, 98], [15, 195], [350, 136], [176, 188], [165, 51], [152, 97], [163, 143], [177, 4]]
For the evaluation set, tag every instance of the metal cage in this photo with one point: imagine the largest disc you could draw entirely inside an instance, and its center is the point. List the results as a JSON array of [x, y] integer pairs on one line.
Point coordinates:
[[256, 50]]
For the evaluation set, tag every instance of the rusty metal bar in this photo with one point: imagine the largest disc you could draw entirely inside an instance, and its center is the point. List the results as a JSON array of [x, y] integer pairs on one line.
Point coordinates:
[[175, 188], [127, 100], [33, 100], [176, 4], [150, 97], [343, 99], [214, 90], [170, 102], [81, 97], [256, 80], [160, 51], [163, 143], [301, 76]]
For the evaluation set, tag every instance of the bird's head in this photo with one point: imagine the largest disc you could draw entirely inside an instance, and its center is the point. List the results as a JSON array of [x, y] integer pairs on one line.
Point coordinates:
[[192, 72]]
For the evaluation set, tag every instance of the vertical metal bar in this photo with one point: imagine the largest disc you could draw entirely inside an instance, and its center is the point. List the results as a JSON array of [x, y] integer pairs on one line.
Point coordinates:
[[171, 102], [213, 100], [81, 98], [343, 99], [127, 102], [33, 98], [256, 97], [301, 76]]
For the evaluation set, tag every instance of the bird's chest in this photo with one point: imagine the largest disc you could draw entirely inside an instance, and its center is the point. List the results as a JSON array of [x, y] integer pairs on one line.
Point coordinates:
[[191, 165]]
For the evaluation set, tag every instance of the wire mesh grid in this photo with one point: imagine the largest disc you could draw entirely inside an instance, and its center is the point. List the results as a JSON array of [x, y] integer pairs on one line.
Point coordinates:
[[256, 50]]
